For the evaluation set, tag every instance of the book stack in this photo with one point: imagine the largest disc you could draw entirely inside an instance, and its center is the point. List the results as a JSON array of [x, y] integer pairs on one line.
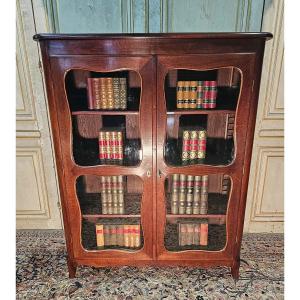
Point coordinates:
[[127, 236], [110, 146], [196, 94], [193, 234], [189, 194], [107, 93], [112, 195], [193, 145]]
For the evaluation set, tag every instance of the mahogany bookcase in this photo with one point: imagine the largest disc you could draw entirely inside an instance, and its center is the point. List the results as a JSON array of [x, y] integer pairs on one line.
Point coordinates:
[[152, 65]]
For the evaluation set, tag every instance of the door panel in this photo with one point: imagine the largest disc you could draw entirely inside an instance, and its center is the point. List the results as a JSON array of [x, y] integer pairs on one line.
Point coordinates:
[[84, 182], [224, 176]]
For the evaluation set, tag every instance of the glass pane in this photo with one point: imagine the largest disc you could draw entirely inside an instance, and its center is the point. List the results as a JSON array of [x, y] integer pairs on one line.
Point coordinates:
[[111, 211], [105, 117], [196, 211], [201, 109]]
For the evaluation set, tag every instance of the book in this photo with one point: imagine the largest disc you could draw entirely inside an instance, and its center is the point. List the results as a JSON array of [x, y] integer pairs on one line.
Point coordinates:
[[102, 145], [189, 195], [109, 93], [196, 235], [199, 101], [126, 236], [182, 194], [120, 189], [179, 95], [137, 236], [109, 195], [182, 234], [99, 236], [175, 194], [186, 94], [204, 233], [90, 95], [103, 195], [116, 93], [106, 231], [115, 200], [120, 235], [113, 232], [204, 195], [189, 234], [186, 139], [193, 146], [209, 94], [123, 93], [196, 196], [193, 95], [201, 144]]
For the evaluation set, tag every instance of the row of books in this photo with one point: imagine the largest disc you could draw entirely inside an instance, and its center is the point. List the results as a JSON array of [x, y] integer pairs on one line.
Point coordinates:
[[190, 234], [196, 94], [110, 145], [189, 194], [107, 93], [112, 194], [123, 235], [193, 144]]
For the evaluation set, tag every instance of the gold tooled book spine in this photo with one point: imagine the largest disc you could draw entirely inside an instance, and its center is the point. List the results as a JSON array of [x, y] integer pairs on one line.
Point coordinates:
[[103, 195], [108, 145], [115, 195], [119, 146], [109, 196], [100, 236], [182, 193], [114, 147], [109, 93], [123, 93], [175, 194], [189, 195], [179, 95], [204, 195], [185, 145], [97, 92], [186, 94], [201, 144], [193, 147], [197, 193], [193, 94], [102, 145], [204, 233], [137, 236], [196, 237], [126, 236], [103, 94], [199, 101], [116, 93], [121, 207]]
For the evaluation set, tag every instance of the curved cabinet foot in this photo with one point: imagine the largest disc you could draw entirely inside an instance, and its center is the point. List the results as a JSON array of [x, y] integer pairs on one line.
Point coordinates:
[[71, 268], [235, 270]]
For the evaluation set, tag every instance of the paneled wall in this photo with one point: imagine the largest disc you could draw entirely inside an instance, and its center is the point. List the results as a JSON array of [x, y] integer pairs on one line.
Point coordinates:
[[154, 15], [37, 194], [265, 194]]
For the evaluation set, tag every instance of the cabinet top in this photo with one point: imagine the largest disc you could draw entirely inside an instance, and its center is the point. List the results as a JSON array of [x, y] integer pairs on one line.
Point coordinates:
[[94, 36]]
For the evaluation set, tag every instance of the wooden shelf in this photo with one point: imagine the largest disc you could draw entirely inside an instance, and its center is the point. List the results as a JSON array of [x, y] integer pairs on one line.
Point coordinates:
[[109, 216], [201, 112], [169, 216], [105, 112]]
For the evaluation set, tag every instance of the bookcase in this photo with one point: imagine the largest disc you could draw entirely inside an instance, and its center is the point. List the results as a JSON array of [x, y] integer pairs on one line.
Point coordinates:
[[153, 139]]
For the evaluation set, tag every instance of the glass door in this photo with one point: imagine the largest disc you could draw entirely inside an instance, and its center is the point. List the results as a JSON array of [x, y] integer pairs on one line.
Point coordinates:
[[105, 127], [202, 100]]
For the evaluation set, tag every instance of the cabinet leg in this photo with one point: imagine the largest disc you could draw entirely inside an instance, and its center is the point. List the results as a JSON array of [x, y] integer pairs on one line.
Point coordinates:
[[71, 268], [235, 270]]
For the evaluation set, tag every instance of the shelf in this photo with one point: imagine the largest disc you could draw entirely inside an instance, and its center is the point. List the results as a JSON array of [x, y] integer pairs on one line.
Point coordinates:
[[207, 216], [200, 112], [109, 216], [105, 112]]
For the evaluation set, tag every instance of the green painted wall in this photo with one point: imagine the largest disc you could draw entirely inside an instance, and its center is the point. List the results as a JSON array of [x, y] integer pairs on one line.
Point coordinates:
[[127, 16]]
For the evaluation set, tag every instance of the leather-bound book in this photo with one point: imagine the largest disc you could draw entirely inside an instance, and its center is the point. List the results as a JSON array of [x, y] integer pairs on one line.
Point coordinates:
[[137, 236], [102, 103], [189, 194], [116, 93], [115, 201], [199, 101], [126, 236], [193, 95], [196, 235], [186, 94], [120, 235], [196, 196], [204, 233], [106, 231], [113, 232], [186, 139], [100, 236], [109, 195], [103, 195], [190, 234], [90, 93], [204, 195], [175, 194], [193, 146], [120, 189], [179, 95], [182, 194], [123, 93], [201, 144]]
